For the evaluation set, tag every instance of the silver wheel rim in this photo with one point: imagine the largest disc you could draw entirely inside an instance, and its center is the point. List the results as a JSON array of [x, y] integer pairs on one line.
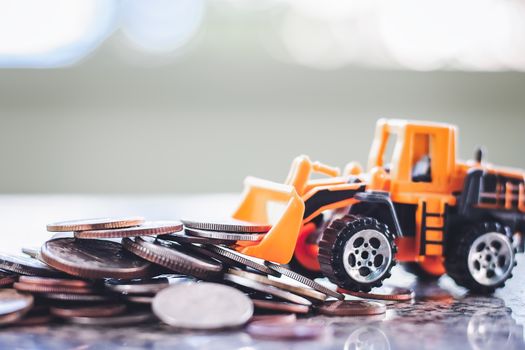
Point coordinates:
[[490, 258], [367, 256]]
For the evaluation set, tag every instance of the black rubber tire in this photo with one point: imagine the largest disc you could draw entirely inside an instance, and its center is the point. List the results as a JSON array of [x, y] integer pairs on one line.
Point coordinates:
[[416, 269], [456, 260], [332, 244]]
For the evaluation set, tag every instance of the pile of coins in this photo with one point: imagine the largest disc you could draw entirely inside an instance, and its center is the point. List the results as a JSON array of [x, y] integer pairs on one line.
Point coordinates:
[[123, 271]]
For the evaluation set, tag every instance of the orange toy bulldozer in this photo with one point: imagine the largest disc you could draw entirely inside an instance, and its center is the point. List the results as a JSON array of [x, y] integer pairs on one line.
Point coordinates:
[[416, 204]]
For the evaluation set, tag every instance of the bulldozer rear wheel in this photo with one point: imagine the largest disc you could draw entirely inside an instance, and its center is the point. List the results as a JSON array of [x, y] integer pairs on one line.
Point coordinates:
[[357, 253]]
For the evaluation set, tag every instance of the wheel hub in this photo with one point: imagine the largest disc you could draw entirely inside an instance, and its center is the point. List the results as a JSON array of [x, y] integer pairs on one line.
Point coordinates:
[[490, 258], [367, 255]]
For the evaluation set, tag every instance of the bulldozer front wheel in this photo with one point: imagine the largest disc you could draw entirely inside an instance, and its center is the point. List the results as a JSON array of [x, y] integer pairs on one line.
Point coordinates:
[[357, 253]]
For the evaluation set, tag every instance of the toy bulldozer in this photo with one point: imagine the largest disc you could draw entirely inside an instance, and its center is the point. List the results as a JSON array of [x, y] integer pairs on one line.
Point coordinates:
[[416, 204]]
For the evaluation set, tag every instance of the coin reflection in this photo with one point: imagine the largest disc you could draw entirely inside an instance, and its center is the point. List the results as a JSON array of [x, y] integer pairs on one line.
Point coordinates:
[[367, 338]]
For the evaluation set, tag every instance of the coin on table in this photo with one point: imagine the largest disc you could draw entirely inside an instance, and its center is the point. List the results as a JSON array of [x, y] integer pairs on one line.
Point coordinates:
[[146, 285], [151, 228], [351, 308], [204, 306], [55, 282], [223, 235], [230, 258], [283, 318], [309, 293], [27, 266], [102, 310], [37, 288], [304, 280], [278, 330], [280, 306], [7, 278], [93, 258], [118, 320], [383, 293], [95, 224], [267, 289], [33, 320], [139, 299], [227, 225], [169, 255], [13, 305], [182, 237]]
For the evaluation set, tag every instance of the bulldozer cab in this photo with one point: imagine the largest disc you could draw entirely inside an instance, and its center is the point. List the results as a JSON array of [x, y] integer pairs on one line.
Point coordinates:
[[412, 157]]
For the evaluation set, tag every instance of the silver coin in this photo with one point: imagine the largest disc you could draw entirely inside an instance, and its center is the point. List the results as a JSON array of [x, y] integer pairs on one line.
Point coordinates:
[[304, 280], [260, 287], [182, 237], [229, 236], [145, 286], [13, 305], [27, 266], [204, 306], [241, 260], [33, 252], [76, 297], [302, 291], [122, 320], [227, 225]]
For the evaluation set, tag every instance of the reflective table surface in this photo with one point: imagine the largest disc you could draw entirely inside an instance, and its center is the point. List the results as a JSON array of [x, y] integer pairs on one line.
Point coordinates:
[[443, 316]]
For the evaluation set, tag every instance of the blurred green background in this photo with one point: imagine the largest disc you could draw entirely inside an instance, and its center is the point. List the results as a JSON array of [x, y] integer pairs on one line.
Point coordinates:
[[192, 96]]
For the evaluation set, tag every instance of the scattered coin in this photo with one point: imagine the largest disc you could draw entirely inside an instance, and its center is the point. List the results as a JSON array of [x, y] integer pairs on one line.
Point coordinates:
[[284, 318], [121, 320], [37, 288], [7, 278], [304, 280], [181, 237], [236, 259], [27, 266], [258, 286], [280, 306], [152, 228], [302, 291], [229, 236], [56, 282], [13, 305], [103, 310], [167, 254], [95, 224], [383, 293], [351, 308], [77, 297], [202, 306], [93, 258], [288, 331], [228, 225]]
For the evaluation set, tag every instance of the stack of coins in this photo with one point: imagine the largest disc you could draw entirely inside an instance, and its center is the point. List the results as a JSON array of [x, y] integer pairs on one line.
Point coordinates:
[[118, 271]]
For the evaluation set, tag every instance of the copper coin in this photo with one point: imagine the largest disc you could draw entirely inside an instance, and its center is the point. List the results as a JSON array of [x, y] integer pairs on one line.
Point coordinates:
[[55, 282], [267, 289], [280, 306], [227, 225], [33, 320], [27, 266], [305, 292], [151, 228], [95, 224], [103, 310], [229, 236], [7, 278], [284, 318], [181, 237], [92, 258], [119, 320], [278, 330], [304, 280], [383, 293], [168, 254], [37, 288], [77, 297], [13, 305], [351, 308], [139, 299]]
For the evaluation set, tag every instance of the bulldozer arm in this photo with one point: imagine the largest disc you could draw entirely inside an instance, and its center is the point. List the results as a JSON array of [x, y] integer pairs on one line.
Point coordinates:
[[272, 203]]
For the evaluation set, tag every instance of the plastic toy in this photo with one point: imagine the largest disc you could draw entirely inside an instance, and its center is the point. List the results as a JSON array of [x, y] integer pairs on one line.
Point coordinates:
[[419, 206]]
